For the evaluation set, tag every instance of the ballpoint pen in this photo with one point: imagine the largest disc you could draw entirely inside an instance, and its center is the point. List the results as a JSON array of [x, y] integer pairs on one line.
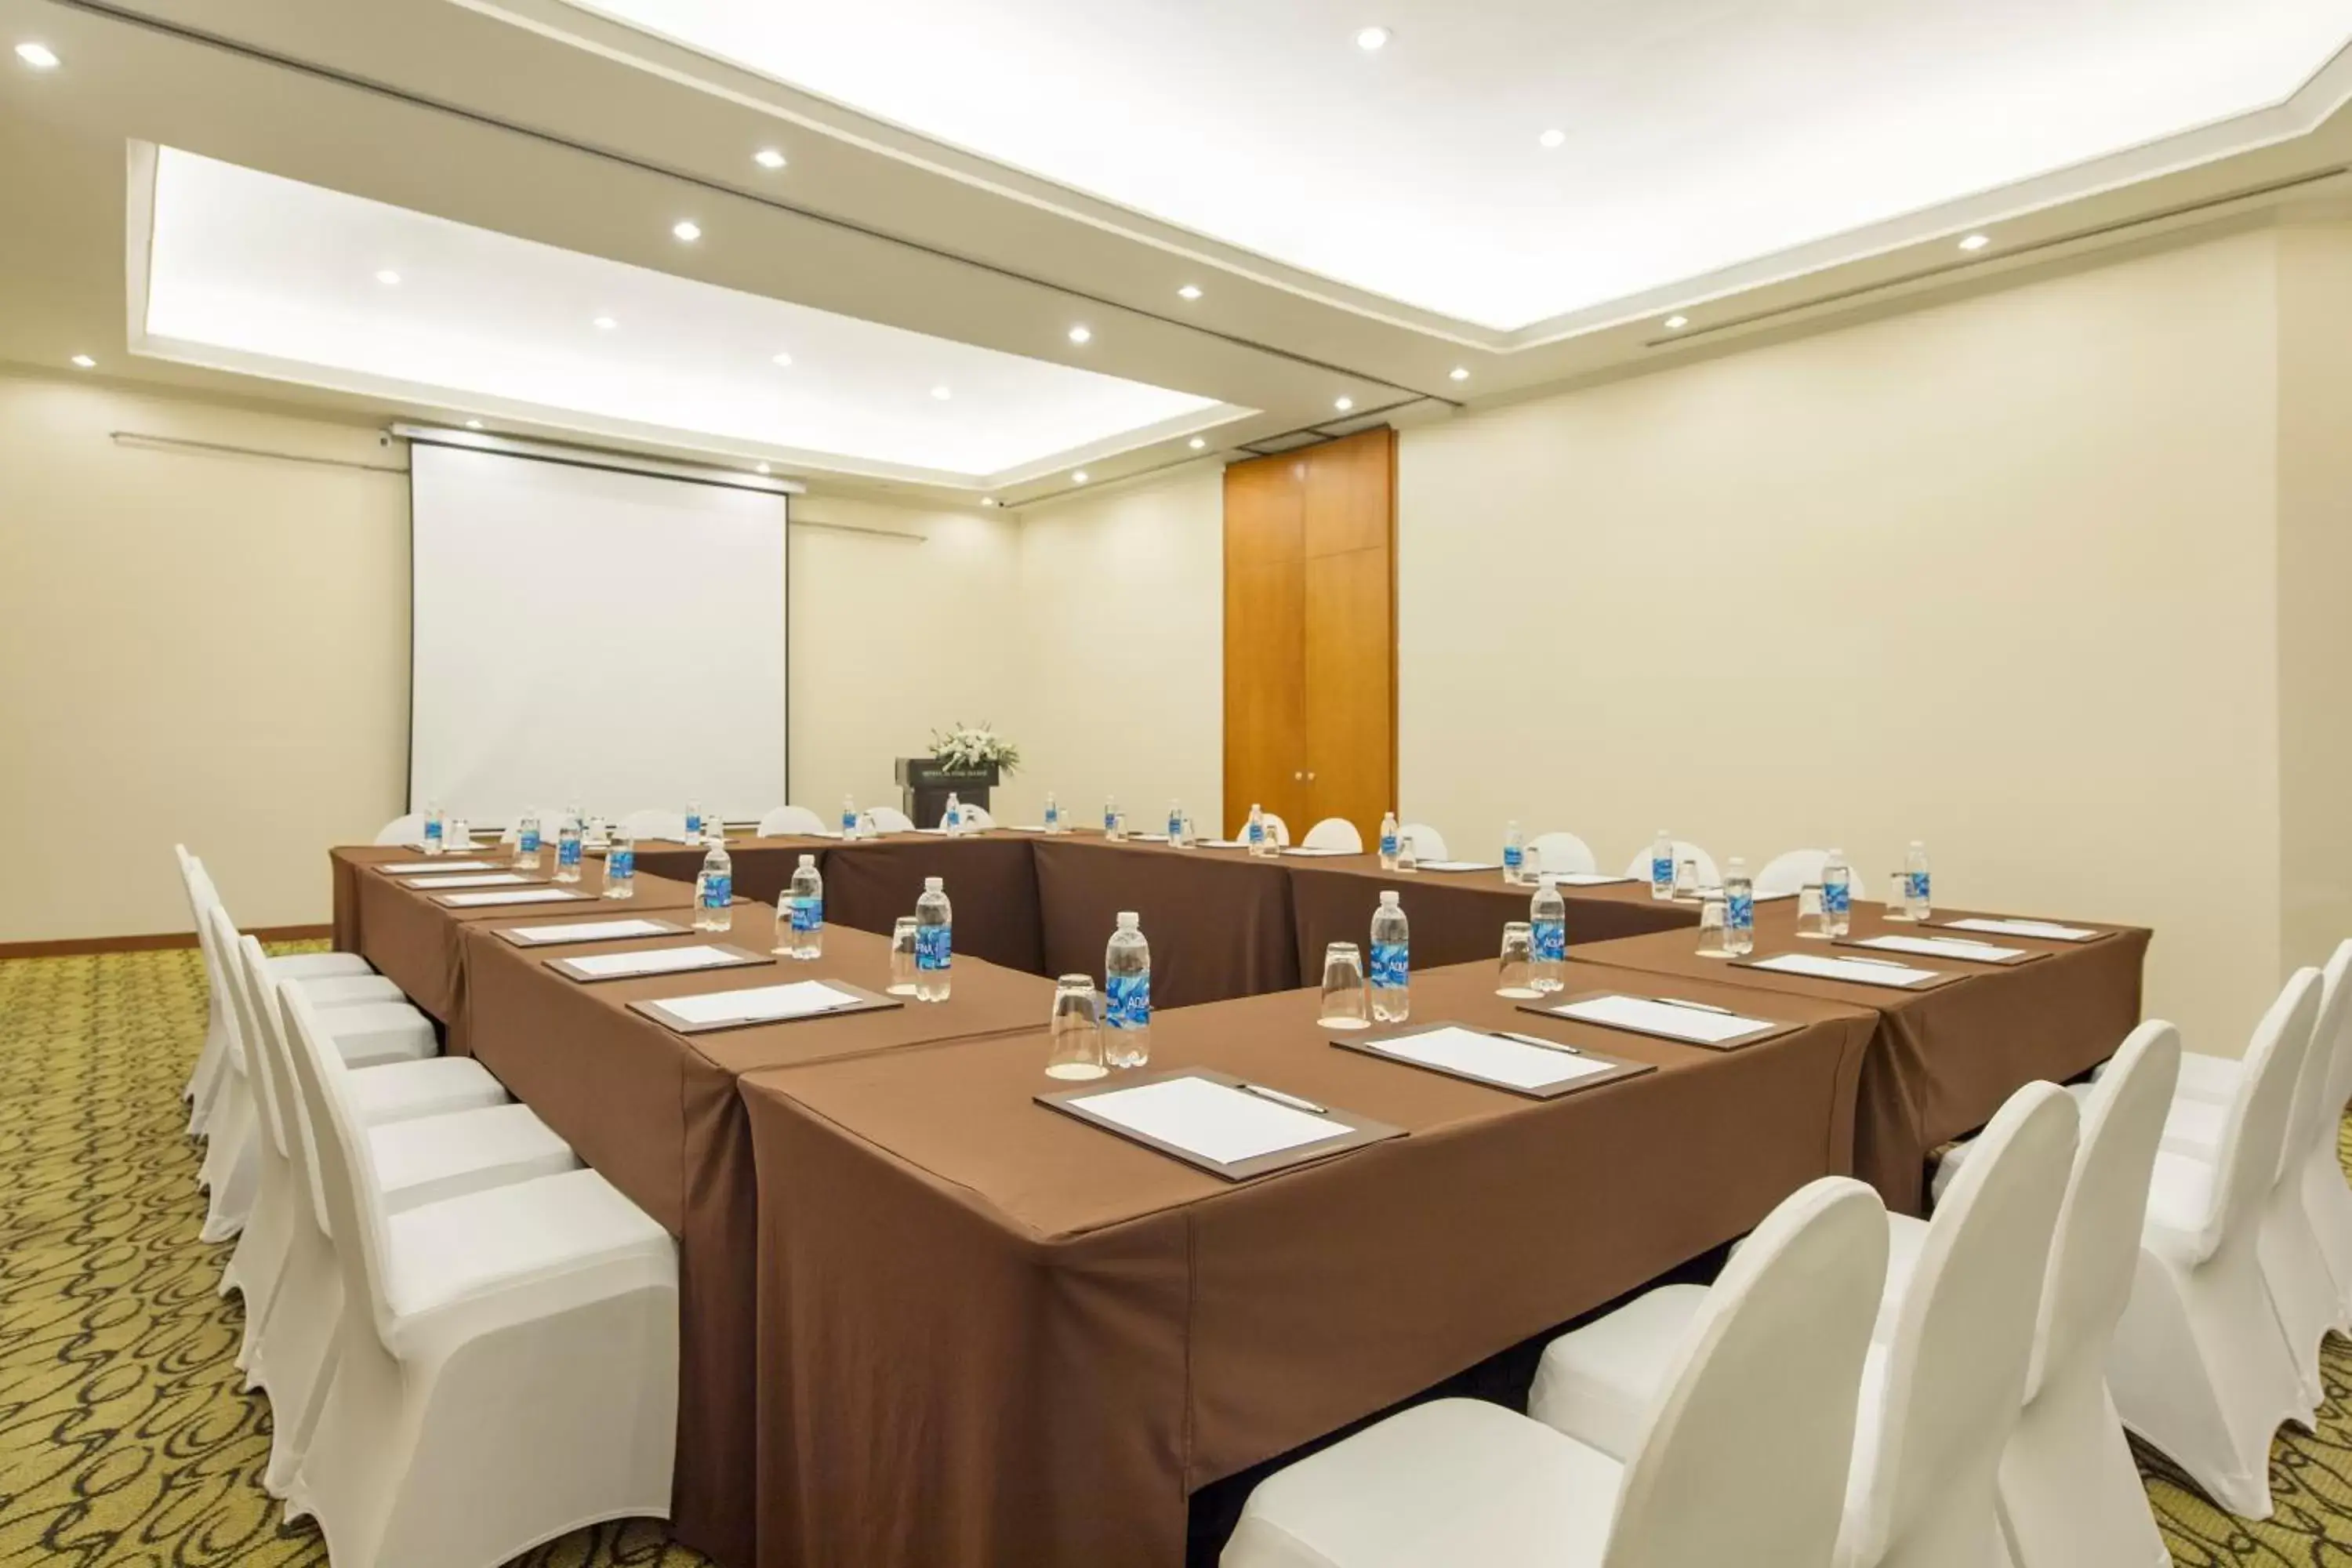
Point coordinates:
[[1281, 1098]]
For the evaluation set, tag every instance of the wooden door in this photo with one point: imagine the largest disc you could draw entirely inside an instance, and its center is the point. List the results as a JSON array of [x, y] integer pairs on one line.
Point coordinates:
[[1311, 614]]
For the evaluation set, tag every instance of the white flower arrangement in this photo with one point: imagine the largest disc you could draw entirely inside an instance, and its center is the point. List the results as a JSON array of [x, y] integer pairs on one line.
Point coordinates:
[[973, 748]]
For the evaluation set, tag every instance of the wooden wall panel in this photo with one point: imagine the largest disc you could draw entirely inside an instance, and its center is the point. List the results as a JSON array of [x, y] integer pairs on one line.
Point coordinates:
[[1264, 631]]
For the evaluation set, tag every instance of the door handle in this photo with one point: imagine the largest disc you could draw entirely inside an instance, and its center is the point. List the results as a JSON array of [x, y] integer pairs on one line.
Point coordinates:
[[1310, 778], [1296, 776]]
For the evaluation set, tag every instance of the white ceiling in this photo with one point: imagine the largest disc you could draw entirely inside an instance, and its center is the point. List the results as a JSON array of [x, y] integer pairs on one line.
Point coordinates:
[[1696, 134], [253, 271]]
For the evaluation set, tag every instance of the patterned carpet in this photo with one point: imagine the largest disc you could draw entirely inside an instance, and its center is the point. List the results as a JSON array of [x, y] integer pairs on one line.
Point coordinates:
[[125, 1439]]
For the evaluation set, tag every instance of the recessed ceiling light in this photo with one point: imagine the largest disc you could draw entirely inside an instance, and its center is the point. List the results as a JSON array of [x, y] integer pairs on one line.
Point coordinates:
[[40, 56], [473, 423], [1190, 291], [1976, 242], [1197, 443], [762, 467], [1676, 323], [388, 278], [1552, 138], [1079, 477], [83, 362], [988, 500], [1459, 373], [780, 358], [1372, 39], [941, 392], [1343, 403], [768, 158], [604, 323], [1081, 334], [688, 231]]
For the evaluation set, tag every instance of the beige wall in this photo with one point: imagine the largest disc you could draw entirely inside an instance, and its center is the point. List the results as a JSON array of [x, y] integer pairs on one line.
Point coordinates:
[[2002, 574]]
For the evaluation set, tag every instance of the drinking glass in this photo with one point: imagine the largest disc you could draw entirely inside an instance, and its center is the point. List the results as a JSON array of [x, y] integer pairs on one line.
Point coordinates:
[[1407, 858], [1530, 870], [460, 836], [1686, 879], [1898, 896], [784, 924], [1812, 912], [1713, 918], [1514, 979], [1076, 1024], [1346, 1004], [902, 956]]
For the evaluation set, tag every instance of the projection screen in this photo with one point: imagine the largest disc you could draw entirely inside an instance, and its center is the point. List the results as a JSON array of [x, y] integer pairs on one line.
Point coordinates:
[[585, 637]]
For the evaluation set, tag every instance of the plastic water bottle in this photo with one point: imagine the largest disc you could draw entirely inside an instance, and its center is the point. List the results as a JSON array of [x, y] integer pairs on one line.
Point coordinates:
[[954, 823], [714, 890], [848, 816], [567, 851], [1837, 893], [1392, 975], [1389, 842], [433, 830], [1175, 825], [1110, 816], [1254, 834], [801, 916], [621, 865], [1052, 813], [578, 819], [934, 942], [1739, 909], [1662, 866], [526, 856], [1515, 853], [1548, 920], [1127, 995], [1915, 881], [693, 823]]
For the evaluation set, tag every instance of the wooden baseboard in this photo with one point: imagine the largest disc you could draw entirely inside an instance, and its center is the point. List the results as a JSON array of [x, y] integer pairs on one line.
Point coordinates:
[[82, 944]]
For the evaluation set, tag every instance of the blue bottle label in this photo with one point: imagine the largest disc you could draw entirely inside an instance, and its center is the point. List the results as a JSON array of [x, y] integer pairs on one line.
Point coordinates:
[[933, 947], [1914, 886], [432, 831], [567, 850], [1837, 898], [1387, 844], [1127, 1000], [528, 841], [1662, 871], [1256, 834], [620, 864], [808, 914], [1175, 825], [718, 891], [1551, 941], [693, 824], [1053, 816], [849, 822], [1110, 820], [1739, 911], [1391, 968], [1513, 858]]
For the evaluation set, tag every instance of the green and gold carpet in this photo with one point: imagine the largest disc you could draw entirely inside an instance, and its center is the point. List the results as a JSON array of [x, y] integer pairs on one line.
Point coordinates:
[[125, 1437]]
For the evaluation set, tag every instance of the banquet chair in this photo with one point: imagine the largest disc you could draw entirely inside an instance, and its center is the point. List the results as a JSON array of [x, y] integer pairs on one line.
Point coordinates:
[[1334, 833], [1428, 844], [656, 821], [409, 830], [787, 820], [2200, 1366], [2071, 1496], [1787, 873], [505, 1365], [1756, 1417], [1940, 1396], [889, 819], [1708, 876], [976, 818], [1275, 828], [1563, 854]]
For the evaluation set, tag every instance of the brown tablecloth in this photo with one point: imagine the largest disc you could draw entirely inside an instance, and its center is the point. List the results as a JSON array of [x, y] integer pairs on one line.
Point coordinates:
[[1944, 1059], [763, 867], [1218, 922], [655, 1113], [991, 884], [1457, 917], [991, 1335], [414, 942]]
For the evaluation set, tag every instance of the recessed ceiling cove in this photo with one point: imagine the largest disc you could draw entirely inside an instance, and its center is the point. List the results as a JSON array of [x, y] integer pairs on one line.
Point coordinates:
[[252, 272], [1508, 162]]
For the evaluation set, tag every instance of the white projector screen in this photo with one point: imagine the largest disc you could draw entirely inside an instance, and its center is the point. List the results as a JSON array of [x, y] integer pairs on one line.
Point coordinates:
[[583, 636]]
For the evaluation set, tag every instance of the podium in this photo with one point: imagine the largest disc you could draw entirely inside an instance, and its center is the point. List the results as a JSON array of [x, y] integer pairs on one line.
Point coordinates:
[[925, 783]]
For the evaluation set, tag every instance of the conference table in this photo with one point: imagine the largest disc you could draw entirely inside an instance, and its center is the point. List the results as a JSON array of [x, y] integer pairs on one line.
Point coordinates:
[[927, 1320]]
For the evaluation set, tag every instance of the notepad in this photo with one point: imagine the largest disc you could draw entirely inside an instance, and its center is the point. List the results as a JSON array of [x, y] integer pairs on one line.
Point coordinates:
[[588, 931], [1476, 1053], [1584, 879], [666, 961], [1860, 972], [762, 1004], [1944, 947], [449, 846], [1460, 865], [2047, 930], [1308, 852], [1212, 1120], [1225, 844], [1661, 1015], [485, 880], [417, 867], [517, 896]]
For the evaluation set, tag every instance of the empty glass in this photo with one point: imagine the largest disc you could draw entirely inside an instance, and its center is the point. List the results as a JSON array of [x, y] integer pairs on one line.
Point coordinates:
[[1812, 913], [1686, 879], [1898, 898], [902, 956], [1346, 1004], [1512, 978], [1530, 872], [1407, 858], [1713, 916], [1078, 1047], [460, 837]]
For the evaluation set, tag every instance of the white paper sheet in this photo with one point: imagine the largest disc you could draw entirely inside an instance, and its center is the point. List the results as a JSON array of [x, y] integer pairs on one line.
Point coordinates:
[[1943, 947], [1585, 878], [449, 846], [668, 960], [1660, 1016], [516, 896], [1460, 865], [1225, 844], [2047, 930], [419, 867], [1207, 1119], [1482, 1055], [480, 880], [1900, 976], [762, 1004], [588, 931], [1148, 837], [1306, 852]]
